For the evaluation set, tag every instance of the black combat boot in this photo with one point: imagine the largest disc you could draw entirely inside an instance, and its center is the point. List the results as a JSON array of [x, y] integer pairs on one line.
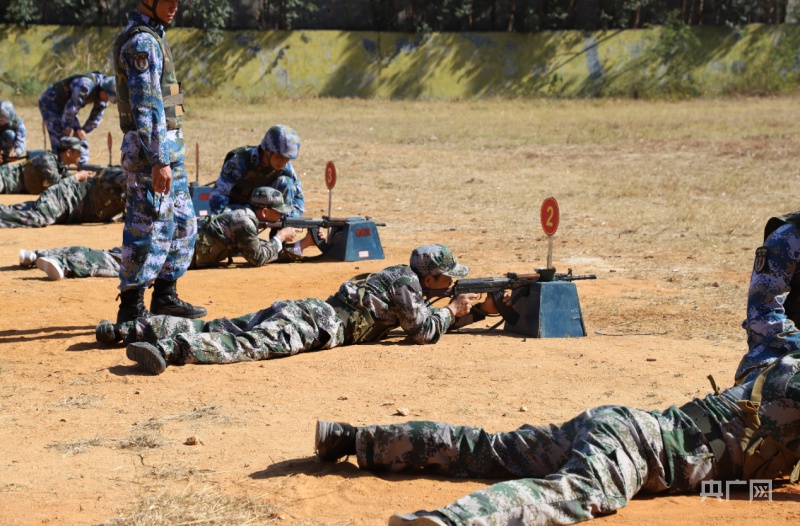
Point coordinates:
[[165, 301], [131, 306], [334, 440], [149, 357]]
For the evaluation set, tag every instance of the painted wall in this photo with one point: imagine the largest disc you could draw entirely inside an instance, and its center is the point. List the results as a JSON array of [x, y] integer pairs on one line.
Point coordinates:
[[251, 64]]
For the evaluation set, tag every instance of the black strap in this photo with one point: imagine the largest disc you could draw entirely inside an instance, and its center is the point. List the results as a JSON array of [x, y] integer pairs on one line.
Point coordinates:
[[714, 436]]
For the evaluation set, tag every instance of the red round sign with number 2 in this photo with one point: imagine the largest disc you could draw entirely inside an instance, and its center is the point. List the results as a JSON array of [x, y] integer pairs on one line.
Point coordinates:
[[550, 216]]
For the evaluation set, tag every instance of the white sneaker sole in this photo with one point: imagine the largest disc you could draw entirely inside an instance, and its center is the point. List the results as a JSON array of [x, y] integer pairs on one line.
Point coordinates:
[[51, 268]]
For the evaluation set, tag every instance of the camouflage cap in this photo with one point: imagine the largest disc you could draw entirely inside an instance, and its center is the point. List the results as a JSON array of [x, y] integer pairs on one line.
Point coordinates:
[[266, 197], [433, 260], [69, 143], [109, 85], [7, 112], [282, 140]]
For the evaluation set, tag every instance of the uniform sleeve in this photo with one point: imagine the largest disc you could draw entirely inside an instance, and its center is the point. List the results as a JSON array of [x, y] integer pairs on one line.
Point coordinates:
[[255, 250], [770, 284], [232, 171], [293, 193], [142, 62], [421, 322], [20, 141], [95, 116]]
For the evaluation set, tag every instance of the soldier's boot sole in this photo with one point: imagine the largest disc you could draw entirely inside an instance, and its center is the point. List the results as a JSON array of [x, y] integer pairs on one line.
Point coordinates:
[[51, 267], [147, 356], [106, 332]]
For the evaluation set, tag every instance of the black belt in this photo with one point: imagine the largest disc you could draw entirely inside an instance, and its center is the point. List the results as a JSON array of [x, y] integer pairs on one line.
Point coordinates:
[[713, 434]]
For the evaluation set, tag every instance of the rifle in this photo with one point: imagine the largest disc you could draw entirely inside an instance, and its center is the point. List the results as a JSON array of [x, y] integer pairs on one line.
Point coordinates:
[[496, 286], [96, 168], [313, 225]]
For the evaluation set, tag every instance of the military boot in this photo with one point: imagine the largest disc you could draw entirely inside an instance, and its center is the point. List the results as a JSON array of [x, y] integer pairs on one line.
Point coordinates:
[[107, 332], [148, 356], [131, 306], [334, 440], [165, 301]]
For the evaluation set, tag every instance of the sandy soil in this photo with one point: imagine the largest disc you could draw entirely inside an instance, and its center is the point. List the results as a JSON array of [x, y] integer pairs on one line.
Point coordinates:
[[86, 437]]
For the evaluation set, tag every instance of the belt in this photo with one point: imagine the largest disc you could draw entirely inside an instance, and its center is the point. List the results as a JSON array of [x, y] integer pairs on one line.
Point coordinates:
[[713, 435]]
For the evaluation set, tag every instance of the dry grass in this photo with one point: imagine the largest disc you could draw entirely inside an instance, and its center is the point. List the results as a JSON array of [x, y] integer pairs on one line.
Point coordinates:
[[195, 506]]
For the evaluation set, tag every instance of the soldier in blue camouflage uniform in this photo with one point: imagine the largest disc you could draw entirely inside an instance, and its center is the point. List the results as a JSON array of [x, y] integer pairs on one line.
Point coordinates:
[[12, 133], [595, 463], [232, 233], [74, 199], [41, 169], [61, 102], [250, 167], [773, 302], [364, 309], [160, 227]]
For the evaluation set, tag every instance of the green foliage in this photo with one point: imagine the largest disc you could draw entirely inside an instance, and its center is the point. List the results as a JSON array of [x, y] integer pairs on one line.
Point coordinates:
[[670, 59], [768, 68], [212, 17], [28, 86], [22, 12]]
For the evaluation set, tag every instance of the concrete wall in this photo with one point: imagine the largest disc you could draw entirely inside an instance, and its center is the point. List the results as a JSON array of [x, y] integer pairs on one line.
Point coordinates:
[[252, 64]]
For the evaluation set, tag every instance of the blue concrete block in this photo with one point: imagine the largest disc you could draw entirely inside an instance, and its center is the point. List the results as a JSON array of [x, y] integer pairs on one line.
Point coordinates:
[[200, 199], [548, 310], [358, 239]]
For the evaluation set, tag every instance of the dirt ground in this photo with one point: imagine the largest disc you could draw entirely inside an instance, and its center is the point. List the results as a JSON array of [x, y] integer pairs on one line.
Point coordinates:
[[666, 217]]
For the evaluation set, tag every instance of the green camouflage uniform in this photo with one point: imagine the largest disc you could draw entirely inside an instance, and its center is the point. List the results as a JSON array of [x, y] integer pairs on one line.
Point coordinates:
[[97, 199], [233, 233], [32, 176], [391, 298], [595, 463]]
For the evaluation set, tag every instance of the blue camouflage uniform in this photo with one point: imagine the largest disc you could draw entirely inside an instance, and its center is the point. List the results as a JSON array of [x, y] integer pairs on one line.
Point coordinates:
[[243, 171], [62, 101], [773, 302], [596, 462], [12, 131], [160, 230]]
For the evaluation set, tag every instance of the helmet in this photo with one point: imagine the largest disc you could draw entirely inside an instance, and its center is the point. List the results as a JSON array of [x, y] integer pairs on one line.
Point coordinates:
[[282, 140], [7, 113], [109, 85]]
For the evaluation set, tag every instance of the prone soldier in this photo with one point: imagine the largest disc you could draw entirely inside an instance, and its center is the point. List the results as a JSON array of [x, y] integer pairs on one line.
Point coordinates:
[[595, 463], [219, 238], [61, 102], [12, 133], [38, 172], [74, 199], [364, 309], [268, 164]]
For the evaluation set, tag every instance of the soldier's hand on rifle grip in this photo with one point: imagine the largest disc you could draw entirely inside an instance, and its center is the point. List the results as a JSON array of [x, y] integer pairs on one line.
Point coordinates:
[[83, 175], [461, 304], [488, 306], [287, 235]]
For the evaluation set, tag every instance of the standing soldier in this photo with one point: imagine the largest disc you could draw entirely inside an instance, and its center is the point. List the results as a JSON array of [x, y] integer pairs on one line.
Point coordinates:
[[61, 102], [160, 227], [249, 167], [12, 133]]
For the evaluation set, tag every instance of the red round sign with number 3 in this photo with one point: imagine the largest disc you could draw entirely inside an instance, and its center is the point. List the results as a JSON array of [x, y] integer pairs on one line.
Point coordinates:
[[550, 216], [330, 175]]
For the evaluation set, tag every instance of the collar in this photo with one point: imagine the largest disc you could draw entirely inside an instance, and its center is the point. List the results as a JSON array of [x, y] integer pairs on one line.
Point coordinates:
[[254, 157], [137, 18]]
